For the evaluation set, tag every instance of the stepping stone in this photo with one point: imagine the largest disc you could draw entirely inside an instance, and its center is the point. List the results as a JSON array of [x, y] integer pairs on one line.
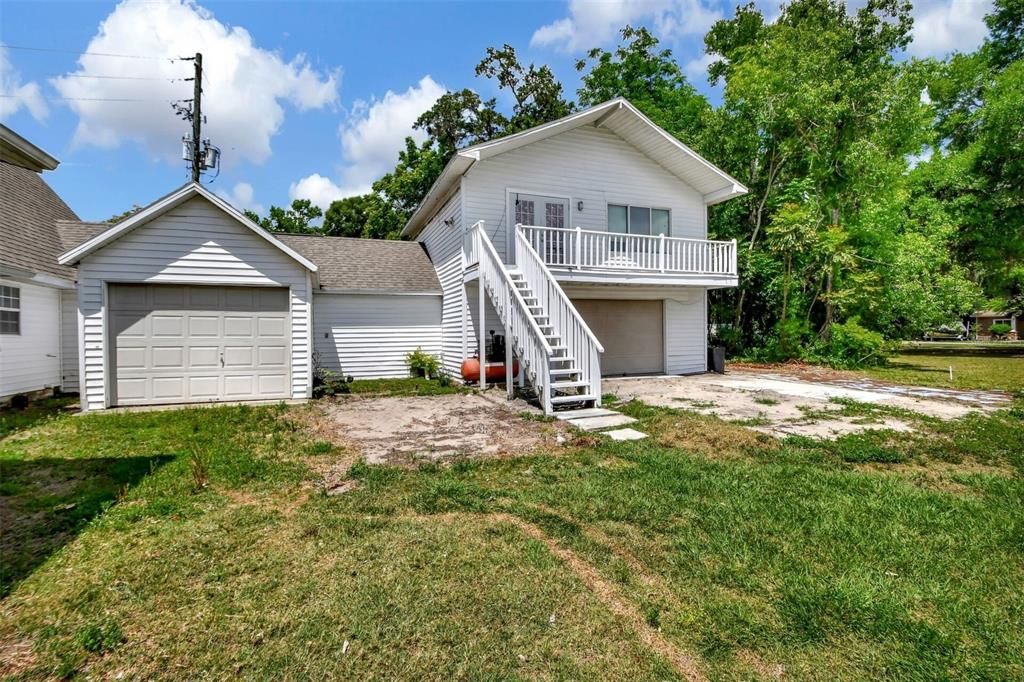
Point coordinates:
[[625, 434], [601, 422], [569, 415]]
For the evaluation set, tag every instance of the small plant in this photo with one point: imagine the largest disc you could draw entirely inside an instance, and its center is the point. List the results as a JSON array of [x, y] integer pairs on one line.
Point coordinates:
[[444, 379], [329, 382], [422, 364], [766, 401], [200, 470], [99, 638]]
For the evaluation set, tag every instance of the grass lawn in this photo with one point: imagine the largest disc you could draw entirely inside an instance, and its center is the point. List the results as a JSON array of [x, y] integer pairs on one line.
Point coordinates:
[[200, 545], [998, 366]]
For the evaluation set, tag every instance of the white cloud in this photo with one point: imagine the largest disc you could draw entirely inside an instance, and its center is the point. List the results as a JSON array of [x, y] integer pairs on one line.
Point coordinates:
[[14, 94], [370, 141], [592, 24], [244, 86], [944, 26], [241, 196], [697, 68]]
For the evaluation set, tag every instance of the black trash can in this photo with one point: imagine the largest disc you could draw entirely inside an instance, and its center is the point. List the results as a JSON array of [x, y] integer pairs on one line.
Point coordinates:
[[716, 359]]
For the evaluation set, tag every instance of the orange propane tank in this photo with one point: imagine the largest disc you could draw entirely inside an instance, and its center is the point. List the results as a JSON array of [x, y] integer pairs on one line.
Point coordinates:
[[494, 371]]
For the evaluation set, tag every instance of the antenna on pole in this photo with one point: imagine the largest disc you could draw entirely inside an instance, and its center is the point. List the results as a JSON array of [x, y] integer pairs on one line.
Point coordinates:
[[200, 154]]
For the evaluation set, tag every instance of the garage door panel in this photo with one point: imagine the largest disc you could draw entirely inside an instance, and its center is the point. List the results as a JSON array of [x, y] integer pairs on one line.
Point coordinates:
[[273, 356], [203, 357], [168, 357], [204, 388], [217, 351], [238, 326], [240, 356], [203, 325], [632, 333]]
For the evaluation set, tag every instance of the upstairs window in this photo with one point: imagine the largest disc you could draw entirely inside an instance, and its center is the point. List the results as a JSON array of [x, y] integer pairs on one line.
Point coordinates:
[[10, 310], [624, 219]]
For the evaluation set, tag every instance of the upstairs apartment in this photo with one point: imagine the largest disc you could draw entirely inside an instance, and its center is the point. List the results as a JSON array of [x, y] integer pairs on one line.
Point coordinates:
[[578, 247]]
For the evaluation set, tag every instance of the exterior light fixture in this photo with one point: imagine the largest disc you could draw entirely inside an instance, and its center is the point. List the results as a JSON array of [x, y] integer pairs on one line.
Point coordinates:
[[579, 205]]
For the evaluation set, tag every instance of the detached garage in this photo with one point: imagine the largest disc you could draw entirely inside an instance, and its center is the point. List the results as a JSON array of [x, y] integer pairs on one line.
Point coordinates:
[[189, 301]]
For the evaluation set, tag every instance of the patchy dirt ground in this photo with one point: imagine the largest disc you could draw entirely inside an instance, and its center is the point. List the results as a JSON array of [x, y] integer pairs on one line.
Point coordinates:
[[785, 405], [403, 430]]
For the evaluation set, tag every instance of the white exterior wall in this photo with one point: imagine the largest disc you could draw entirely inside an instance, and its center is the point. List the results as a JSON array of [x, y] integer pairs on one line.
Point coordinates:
[[686, 350], [368, 336], [444, 246], [30, 361], [69, 340], [592, 165], [195, 243]]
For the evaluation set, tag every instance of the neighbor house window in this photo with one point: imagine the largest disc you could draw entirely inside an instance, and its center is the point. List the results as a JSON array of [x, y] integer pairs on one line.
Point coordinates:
[[637, 220], [10, 310]]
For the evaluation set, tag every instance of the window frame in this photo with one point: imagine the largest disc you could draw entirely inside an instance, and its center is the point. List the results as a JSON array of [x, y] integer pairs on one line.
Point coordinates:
[[650, 220], [13, 295]]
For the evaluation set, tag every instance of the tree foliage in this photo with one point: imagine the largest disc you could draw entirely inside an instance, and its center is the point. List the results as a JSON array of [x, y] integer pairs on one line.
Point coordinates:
[[297, 219]]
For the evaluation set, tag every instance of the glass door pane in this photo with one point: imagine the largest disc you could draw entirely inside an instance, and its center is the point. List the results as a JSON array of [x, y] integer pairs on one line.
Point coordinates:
[[618, 220], [639, 220], [659, 221]]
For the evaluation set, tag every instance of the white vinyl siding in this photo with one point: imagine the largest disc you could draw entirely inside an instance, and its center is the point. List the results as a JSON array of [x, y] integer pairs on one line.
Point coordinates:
[[592, 165], [686, 334], [444, 246], [69, 340], [194, 243], [30, 359], [368, 336]]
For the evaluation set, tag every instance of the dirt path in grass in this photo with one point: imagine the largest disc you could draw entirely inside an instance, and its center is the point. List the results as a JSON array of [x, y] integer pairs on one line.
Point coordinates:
[[608, 594]]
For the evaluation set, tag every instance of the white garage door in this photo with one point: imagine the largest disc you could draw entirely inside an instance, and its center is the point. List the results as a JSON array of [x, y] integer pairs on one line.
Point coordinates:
[[632, 333], [182, 344]]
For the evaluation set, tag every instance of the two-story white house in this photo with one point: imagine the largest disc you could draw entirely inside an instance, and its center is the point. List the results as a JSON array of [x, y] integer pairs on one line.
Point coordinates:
[[588, 236]]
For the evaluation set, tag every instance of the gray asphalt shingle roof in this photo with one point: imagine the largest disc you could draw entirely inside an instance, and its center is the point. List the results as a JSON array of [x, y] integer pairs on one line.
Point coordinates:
[[29, 211], [375, 264]]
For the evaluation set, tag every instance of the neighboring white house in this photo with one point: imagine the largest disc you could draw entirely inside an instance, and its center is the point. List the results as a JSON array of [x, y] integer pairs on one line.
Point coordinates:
[[587, 237], [38, 342]]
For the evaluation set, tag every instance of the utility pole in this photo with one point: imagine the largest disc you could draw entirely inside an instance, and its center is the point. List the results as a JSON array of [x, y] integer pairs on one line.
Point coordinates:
[[197, 118]]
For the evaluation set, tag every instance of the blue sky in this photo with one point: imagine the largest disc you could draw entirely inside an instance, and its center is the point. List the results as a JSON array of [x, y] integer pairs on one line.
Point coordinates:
[[305, 98]]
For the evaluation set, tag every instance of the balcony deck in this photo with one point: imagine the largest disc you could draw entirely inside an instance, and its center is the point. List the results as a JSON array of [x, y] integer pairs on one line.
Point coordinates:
[[588, 256]]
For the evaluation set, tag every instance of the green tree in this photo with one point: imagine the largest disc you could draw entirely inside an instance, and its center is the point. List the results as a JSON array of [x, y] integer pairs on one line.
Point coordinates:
[[347, 217], [649, 78], [296, 219], [537, 93]]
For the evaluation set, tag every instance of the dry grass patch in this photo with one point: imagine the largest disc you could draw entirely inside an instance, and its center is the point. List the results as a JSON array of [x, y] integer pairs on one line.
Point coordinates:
[[707, 436]]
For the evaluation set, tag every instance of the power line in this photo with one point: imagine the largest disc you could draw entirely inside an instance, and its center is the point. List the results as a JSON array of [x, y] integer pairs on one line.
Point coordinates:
[[120, 78], [91, 99], [94, 54]]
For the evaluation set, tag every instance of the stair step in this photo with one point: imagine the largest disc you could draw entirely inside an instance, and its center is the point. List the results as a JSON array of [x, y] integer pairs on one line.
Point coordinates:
[[558, 400], [560, 385], [563, 358], [564, 372], [588, 412]]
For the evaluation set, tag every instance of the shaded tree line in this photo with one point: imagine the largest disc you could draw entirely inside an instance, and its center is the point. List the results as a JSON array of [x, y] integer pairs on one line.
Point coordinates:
[[886, 194]]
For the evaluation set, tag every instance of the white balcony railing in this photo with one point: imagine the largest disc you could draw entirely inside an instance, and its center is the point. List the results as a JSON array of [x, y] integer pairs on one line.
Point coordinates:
[[602, 251]]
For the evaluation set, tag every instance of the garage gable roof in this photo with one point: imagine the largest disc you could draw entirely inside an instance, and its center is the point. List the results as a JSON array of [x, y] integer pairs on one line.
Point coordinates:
[[165, 204], [617, 115]]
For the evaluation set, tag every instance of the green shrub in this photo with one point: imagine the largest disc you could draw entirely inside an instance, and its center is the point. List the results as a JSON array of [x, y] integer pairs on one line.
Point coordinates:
[[329, 382], [422, 364], [1000, 329], [850, 345]]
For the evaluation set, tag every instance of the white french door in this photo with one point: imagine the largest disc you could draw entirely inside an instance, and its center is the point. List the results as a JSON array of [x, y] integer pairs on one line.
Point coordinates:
[[543, 211]]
